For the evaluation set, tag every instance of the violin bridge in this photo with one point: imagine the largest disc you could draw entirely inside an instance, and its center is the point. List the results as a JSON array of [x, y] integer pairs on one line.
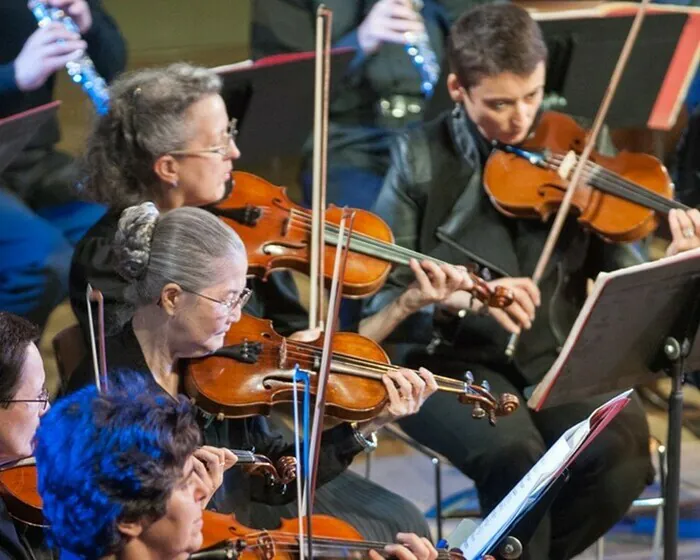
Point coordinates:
[[567, 165]]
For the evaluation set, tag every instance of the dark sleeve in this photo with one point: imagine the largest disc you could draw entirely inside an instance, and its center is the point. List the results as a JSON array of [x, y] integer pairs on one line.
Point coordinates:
[[338, 448], [400, 204], [106, 45], [8, 85]]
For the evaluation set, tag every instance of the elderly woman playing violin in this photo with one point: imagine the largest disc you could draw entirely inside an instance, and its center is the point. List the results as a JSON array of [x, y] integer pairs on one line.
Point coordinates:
[[187, 283], [168, 139]]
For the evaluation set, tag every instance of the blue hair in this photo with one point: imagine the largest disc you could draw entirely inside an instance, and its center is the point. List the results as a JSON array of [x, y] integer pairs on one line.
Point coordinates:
[[103, 459]]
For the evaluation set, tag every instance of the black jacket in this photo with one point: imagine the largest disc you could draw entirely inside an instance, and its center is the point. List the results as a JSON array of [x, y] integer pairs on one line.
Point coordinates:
[[434, 201], [338, 445]]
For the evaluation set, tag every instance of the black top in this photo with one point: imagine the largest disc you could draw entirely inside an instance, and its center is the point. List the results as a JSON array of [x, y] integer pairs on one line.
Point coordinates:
[[106, 48], [10, 546], [338, 445]]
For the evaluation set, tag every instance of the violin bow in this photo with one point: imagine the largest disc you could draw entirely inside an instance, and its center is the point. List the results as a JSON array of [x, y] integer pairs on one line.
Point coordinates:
[[577, 174], [324, 371], [100, 368], [324, 21]]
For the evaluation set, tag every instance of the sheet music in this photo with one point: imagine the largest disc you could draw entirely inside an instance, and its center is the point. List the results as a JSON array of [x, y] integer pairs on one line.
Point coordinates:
[[538, 479]]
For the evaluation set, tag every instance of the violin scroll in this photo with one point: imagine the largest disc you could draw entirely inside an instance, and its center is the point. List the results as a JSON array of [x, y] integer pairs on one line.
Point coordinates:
[[484, 404], [284, 472]]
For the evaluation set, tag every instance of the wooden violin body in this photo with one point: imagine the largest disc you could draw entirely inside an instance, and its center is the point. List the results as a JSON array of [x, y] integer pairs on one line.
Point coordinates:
[[276, 235], [221, 531], [275, 232], [18, 488], [253, 372], [619, 198]]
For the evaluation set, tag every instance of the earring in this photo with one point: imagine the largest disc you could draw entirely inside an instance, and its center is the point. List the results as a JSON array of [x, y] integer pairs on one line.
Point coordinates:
[[175, 184]]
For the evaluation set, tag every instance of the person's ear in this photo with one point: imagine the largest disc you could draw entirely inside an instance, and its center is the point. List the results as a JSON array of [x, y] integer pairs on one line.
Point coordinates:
[[170, 298], [166, 168], [131, 529], [454, 88]]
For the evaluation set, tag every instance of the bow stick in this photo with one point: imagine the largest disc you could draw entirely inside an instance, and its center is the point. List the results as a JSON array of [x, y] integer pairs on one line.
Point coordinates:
[[100, 368], [582, 161]]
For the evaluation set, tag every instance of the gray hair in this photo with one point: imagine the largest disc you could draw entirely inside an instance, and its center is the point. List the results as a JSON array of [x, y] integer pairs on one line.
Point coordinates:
[[145, 121], [185, 246]]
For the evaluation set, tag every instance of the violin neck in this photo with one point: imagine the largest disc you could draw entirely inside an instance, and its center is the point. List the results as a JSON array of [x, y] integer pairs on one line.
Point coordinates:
[[383, 250]]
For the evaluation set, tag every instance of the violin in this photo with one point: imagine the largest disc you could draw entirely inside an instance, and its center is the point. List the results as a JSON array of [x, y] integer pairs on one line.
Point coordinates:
[[254, 371], [19, 490], [619, 197], [275, 232], [224, 537]]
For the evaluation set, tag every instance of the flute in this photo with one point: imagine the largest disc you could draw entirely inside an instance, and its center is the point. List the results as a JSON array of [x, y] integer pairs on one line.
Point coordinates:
[[81, 71]]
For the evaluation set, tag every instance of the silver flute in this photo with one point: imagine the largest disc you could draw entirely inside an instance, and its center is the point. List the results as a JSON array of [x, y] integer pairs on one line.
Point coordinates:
[[81, 71], [423, 56]]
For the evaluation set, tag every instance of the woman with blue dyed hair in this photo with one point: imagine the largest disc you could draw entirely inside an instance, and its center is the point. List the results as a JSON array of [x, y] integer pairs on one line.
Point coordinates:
[[118, 475]]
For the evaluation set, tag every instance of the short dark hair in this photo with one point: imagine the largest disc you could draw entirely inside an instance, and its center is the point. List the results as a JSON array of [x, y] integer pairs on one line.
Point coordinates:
[[108, 458], [490, 39], [16, 334]]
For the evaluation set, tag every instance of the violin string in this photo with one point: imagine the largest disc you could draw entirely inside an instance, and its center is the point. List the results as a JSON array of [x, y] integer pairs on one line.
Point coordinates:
[[360, 241], [328, 543], [313, 352], [616, 184], [306, 352]]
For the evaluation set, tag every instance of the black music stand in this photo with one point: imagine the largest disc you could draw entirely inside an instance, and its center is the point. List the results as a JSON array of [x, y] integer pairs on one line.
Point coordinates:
[[273, 100], [17, 130], [637, 325]]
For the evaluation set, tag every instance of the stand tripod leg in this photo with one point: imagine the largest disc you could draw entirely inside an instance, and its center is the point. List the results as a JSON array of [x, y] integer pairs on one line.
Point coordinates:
[[672, 349]]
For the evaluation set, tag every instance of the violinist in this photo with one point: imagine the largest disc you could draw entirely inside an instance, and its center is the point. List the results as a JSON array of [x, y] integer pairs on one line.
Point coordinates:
[[186, 274], [434, 201], [23, 400]]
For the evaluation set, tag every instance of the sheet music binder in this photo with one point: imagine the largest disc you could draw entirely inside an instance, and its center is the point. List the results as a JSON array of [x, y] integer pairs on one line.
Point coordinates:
[[616, 338], [540, 479]]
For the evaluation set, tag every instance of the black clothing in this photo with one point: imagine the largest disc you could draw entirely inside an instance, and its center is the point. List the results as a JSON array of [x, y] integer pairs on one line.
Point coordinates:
[[434, 201], [21, 542], [10, 546]]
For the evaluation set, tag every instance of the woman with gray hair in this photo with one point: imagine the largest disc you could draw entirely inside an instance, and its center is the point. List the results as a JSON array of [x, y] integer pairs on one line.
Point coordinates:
[[186, 274]]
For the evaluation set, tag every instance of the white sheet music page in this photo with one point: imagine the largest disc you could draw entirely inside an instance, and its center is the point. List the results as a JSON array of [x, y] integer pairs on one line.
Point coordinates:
[[546, 470]]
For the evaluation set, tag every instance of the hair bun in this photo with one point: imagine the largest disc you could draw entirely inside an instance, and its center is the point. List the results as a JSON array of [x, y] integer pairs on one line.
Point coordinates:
[[132, 242]]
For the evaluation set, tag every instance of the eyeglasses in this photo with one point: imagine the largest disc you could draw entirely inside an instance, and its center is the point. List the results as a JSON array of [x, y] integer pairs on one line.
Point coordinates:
[[43, 399], [223, 150], [230, 304]]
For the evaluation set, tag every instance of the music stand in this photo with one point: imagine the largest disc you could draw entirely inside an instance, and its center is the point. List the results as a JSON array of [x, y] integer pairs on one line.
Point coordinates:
[[17, 130], [637, 324], [273, 100]]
